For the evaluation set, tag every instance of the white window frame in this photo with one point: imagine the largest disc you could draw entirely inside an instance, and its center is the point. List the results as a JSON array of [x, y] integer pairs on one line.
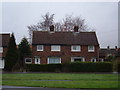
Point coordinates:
[[72, 59], [53, 63], [1, 49], [72, 48], [40, 49], [28, 62], [53, 48], [93, 50]]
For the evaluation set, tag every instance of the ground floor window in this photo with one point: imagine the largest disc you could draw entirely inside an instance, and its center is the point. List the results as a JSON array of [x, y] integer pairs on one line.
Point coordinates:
[[28, 60], [37, 60], [54, 60], [74, 59], [93, 60]]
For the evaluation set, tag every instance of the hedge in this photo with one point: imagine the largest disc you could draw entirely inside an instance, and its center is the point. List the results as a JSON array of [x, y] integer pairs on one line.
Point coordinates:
[[72, 67], [44, 67]]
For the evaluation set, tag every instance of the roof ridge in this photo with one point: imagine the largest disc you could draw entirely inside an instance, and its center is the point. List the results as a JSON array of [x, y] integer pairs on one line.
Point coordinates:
[[66, 31]]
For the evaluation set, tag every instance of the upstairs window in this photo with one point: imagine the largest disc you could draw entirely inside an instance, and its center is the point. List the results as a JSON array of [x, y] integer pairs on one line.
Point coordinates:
[[39, 47], [55, 48], [75, 48], [91, 48], [1, 49]]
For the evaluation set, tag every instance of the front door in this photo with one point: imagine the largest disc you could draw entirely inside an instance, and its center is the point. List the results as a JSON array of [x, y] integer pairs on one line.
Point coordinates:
[[37, 60]]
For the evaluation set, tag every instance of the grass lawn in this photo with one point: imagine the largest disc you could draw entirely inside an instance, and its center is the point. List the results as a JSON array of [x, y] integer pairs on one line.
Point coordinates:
[[62, 80]]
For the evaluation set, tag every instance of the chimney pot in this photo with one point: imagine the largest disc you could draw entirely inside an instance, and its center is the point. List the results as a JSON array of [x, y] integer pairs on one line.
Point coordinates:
[[76, 28], [115, 47], [108, 47], [52, 28]]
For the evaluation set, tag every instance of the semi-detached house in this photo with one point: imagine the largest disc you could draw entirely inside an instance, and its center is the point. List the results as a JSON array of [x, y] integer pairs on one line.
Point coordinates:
[[4, 41], [60, 47]]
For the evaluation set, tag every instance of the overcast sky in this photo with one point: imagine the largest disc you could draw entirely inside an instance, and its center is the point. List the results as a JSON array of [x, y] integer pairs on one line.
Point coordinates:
[[102, 16]]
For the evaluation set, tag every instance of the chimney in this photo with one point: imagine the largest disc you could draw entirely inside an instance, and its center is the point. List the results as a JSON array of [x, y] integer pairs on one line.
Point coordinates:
[[108, 47], [76, 28], [52, 28], [115, 47]]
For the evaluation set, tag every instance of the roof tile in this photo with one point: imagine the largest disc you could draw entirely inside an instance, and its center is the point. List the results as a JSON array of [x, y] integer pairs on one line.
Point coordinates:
[[66, 38]]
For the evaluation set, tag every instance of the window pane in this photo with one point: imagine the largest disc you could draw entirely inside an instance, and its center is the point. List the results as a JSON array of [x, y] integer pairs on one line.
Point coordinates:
[[55, 48], [54, 60], [75, 48], [39, 47], [73, 59], [78, 59], [28, 60], [91, 48]]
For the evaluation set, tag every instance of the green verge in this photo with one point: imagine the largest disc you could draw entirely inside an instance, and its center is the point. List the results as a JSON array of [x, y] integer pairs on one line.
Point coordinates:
[[78, 80]]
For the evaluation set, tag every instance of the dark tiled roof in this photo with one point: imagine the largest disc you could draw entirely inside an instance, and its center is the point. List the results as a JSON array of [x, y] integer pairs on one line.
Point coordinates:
[[65, 38], [4, 39]]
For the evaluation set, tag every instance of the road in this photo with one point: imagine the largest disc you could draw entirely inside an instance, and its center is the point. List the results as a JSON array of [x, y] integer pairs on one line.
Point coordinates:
[[34, 88], [41, 88]]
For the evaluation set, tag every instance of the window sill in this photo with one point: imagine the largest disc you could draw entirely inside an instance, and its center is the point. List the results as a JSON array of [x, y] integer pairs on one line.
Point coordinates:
[[39, 50], [75, 51], [55, 50], [91, 51], [28, 62]]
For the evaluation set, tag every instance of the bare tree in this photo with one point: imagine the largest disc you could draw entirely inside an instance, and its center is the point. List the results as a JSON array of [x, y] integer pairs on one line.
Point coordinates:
[[43, 25], [69, 22], [58, 26], [67, 25], [47, 21]]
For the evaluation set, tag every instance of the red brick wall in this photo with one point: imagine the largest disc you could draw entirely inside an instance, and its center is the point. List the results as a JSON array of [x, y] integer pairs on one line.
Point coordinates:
[[65, 53]]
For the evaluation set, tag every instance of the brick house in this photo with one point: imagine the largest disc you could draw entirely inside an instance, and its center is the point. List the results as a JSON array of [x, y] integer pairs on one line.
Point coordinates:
[[4, 41], [104, 53], [118, 54], [60, 47]]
